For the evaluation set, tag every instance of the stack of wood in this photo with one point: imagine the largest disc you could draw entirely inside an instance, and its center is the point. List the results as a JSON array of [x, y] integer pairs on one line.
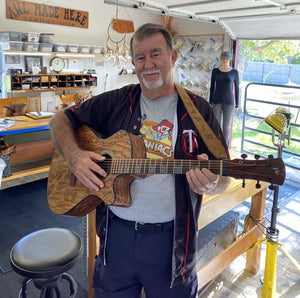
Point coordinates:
[[5, 149]]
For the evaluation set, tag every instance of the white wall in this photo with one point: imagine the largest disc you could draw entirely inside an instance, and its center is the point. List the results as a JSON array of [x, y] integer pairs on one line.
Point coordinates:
[[100, 16]]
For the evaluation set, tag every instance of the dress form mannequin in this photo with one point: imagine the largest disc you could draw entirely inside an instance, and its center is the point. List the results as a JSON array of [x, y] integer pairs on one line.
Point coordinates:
[[222, 97]]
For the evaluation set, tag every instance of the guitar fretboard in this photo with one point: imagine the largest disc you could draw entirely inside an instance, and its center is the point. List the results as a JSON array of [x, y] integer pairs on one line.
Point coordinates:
[[160, 166]]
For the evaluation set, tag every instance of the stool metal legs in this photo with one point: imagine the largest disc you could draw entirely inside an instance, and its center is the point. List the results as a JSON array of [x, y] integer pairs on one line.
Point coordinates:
[[72, 283], [49, 286]]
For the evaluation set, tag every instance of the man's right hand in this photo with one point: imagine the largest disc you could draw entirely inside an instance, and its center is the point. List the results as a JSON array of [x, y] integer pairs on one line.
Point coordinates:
[[83, 164]]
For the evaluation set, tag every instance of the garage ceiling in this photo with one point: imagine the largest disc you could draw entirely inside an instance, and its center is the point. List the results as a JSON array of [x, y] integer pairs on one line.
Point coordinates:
[[241, 19]]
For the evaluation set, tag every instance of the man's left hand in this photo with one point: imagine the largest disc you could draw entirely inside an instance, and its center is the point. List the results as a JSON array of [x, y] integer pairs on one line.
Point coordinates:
[[202, 181]]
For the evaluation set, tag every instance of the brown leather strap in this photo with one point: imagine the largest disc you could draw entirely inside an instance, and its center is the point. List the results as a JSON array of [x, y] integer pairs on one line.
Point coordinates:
[[210, 139]]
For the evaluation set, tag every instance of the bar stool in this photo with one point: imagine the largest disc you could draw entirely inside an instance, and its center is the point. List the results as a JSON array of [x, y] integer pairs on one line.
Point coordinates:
[[43, 257]]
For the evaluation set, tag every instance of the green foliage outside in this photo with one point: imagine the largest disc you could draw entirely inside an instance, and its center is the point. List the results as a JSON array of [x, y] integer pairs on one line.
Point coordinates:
[[274, 51], [295, 59], [259, 137]]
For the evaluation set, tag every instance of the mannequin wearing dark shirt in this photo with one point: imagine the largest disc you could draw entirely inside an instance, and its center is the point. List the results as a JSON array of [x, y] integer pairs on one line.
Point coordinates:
[[222, 97]]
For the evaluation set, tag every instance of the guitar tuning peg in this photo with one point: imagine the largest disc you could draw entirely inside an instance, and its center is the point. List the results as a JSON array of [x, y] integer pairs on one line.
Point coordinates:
[[244, 156], [257, 157], [272, 187], [243, 184]]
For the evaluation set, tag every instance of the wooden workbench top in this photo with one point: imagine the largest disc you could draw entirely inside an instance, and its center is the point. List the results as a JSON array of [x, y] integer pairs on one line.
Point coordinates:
[[213, 206], [26, 124]]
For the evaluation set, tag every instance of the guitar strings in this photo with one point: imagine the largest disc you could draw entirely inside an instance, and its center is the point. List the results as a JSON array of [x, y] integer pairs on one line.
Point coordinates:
[[238, 169], [176, 162], [175, 166]]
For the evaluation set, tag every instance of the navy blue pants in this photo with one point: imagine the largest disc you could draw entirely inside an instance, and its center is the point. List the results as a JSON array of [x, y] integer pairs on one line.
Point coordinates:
[[136, 260]]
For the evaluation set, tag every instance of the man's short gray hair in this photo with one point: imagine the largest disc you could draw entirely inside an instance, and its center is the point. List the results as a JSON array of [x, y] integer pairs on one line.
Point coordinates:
[[150, 29]]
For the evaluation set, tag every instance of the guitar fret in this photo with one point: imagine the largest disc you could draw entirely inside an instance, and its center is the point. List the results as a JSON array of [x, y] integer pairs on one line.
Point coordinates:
[[151, 167], [163, 168], [177, 169], [121, 166], [126, 167], [114, 168], [138, 168], [111, 166]]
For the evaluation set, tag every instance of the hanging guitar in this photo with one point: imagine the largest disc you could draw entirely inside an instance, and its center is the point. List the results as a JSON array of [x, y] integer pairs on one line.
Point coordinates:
[[125, 160]]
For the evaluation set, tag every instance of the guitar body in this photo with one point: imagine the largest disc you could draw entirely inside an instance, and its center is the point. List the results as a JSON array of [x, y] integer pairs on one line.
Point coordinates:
[[68, 196]]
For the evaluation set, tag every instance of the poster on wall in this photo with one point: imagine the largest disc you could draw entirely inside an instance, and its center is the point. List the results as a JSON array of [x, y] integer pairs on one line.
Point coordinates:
[[12, 59], [49, 14]]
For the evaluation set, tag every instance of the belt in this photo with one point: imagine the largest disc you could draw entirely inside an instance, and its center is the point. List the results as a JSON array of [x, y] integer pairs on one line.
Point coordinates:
[[145, 227]]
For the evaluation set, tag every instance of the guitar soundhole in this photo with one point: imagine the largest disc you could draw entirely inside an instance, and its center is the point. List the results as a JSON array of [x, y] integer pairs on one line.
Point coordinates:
[[105, 165]]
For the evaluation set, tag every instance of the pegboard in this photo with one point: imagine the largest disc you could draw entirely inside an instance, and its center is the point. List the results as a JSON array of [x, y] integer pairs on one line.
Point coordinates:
[[198, 56]]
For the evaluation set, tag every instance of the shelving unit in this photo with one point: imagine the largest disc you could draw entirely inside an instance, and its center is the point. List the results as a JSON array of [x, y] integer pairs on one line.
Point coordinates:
[[52, 82], [46, 82], [62, 54]]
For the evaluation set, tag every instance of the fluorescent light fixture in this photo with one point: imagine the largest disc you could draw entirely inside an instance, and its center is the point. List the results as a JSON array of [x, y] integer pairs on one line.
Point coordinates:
[[276, 3]]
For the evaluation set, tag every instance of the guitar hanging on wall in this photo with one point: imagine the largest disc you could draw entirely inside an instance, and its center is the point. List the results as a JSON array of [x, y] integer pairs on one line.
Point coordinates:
[[126, 160]]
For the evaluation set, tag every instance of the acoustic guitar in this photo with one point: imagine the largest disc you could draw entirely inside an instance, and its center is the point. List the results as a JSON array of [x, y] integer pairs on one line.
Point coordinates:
[[125, 160]]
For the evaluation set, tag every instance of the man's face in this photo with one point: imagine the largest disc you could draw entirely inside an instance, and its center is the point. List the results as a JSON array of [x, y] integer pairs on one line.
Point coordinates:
[[153, 62]]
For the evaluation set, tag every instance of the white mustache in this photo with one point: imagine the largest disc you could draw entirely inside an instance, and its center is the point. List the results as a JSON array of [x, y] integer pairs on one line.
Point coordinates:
[[147, 72]]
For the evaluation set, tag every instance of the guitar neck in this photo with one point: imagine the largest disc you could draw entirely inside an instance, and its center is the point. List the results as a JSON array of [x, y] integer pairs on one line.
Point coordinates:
[[163, 166]]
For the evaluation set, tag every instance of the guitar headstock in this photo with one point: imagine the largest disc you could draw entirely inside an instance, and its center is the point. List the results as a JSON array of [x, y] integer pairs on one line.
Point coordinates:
[[270, 170]]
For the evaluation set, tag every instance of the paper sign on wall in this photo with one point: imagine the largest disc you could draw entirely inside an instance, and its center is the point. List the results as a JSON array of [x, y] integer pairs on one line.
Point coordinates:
[[33, 103], [48, 101]]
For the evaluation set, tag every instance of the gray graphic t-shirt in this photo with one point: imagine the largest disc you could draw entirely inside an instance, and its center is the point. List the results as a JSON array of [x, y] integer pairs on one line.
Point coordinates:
[[153, 198]]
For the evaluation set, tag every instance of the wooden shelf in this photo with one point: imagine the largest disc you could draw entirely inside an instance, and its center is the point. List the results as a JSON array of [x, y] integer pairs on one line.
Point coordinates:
[[52, 82], [51, 89], [28, 172], [51, 53]]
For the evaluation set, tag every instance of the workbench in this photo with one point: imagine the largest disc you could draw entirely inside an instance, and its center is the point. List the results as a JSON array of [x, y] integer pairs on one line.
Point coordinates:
[[34, 151], [213, 206], [32, 159]]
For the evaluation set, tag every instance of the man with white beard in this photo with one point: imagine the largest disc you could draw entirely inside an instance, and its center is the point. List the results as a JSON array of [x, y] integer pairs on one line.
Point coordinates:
[[150, 245]]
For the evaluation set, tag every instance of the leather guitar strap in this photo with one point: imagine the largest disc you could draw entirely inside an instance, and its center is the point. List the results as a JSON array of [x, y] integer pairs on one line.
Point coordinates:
[[208, 136]]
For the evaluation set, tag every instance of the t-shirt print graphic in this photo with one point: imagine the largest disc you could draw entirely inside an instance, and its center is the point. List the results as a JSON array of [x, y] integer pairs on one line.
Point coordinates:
[[158, 139]]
